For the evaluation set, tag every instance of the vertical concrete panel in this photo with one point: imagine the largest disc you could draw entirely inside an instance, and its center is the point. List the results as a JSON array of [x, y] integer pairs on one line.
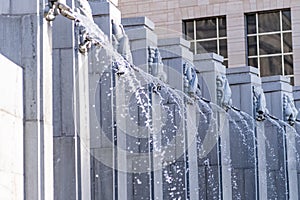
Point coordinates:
[[11, 131]]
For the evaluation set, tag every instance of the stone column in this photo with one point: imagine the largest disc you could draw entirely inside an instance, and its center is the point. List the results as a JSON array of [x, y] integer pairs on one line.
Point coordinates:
[[143, 41], [217, 154], [184, 168], [249, 161], [105, 181], [26, 40], [296, 94], [281, 152], [71, 112]]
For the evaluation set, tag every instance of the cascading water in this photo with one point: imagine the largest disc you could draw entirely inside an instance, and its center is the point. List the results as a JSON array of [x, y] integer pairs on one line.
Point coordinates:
[[134, 122]]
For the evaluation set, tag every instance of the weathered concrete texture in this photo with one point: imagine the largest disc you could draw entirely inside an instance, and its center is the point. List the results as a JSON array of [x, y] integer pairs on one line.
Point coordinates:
[[65, 178], [244, 136], [11, 131], [210, 68], [242, 80], [281, 156], [175, 54], [141, 34], [11, 34], [103, 14]]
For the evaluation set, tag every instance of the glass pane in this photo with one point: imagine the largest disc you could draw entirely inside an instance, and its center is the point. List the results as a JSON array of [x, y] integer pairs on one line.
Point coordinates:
[[288, 65], [270, 66], [189, 30], [252, 46], [222, 27], [206, 28], [268, 22], [223, 48], [192, 47], [287, 43], [286, 20], [253, 62], [207, 46], [269, 44], [251, 24]]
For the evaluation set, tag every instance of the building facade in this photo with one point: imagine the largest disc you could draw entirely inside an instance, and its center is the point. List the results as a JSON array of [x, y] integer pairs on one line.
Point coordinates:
[[259, 33]]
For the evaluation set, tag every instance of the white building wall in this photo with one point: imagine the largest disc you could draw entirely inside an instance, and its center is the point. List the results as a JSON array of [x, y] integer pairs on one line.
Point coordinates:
[[11, 130]]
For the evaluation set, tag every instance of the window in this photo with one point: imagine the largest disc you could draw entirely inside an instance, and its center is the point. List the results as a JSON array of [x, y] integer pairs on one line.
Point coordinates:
[[207, 35], [269, 42]]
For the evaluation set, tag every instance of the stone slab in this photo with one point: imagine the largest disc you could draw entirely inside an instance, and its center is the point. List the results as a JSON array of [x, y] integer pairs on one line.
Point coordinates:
[[138, 21], [208, 56]]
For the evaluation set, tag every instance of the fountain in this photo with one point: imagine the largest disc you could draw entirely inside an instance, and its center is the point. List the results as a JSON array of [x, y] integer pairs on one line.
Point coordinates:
[[113, 112]]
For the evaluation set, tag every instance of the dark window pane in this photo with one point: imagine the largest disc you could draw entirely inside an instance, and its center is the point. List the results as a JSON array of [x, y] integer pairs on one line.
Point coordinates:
[[222, 27], [253, 62], [288, 65], [206, 28], [207, 46], [269, 44], [252, 46], [251, 24], [192, 47], [223, 48], [286, 20], [268, 22], [270, 66], [189, 30], [287, 42]]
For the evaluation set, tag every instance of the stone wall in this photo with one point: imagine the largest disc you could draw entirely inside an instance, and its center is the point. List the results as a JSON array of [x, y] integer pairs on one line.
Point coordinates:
[[11, 130]]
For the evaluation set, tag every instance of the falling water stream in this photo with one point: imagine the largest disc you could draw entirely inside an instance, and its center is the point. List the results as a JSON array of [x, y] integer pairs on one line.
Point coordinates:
[[172, 102]]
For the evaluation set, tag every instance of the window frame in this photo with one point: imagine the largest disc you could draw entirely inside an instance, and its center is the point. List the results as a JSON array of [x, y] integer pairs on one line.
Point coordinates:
[[218, 38], [257, 35]]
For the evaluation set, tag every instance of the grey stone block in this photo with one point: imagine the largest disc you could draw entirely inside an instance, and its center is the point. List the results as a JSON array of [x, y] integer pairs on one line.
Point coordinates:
[[102, 180], [63, 33], [67, 92], [25, 7], [5, 7], [100, 8], [64, 168], [276, 83], [208, 56], [241, 70], [174, 41], [57, 117], [10, 42], [138, 33], [129, 23]]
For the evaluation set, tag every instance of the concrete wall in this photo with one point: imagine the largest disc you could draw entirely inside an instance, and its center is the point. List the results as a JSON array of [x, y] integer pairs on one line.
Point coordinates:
[[25, 39], [168, 15], [11, 130]]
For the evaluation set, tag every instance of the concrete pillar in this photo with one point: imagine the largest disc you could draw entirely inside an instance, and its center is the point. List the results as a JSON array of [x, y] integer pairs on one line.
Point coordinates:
[[175, 53], [71, 112], [26, 40], [281, 155], [217, 155], [105, 181], [249, 162], [140, 32], [296, 94]]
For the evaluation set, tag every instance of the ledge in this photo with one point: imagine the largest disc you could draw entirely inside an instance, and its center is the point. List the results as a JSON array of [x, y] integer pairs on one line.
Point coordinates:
[[208, 56], [138, 21]]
